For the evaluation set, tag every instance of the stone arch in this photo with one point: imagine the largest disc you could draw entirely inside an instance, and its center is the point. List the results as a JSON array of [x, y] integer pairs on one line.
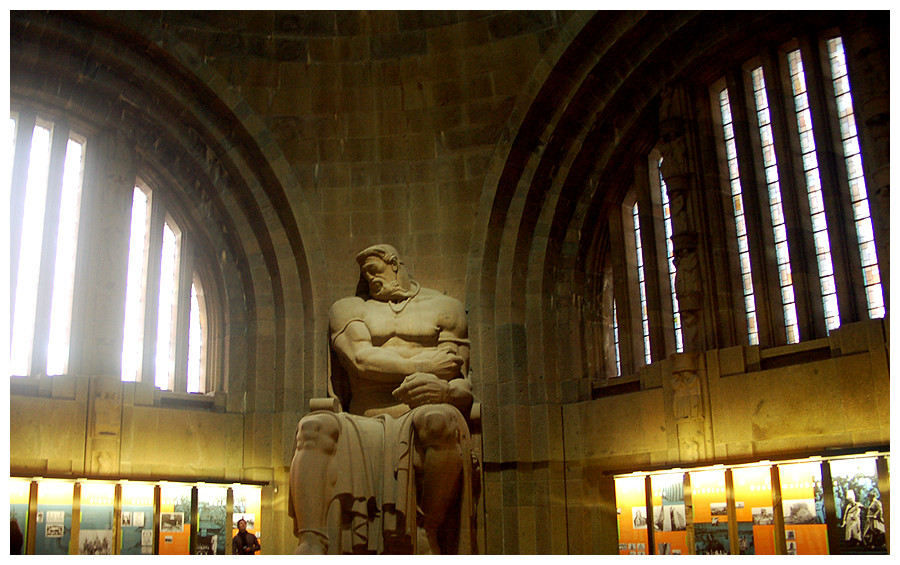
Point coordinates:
[[190, 129], [568, 154]]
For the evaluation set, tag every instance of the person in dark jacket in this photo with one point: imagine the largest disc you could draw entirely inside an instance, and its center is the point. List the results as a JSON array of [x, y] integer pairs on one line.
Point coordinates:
[[244, 543], [16, 539]]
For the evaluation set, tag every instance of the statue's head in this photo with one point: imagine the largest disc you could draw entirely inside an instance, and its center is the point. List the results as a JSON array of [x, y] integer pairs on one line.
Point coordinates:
[[382, 274]]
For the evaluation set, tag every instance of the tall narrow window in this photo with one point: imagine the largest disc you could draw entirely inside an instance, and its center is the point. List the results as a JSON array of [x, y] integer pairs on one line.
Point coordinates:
[[616, 340], [645, 318], [774, 189], [858, 193], [170, 353], [165, 318], [814, 191], [670, 257], [44, 282], [739, 219], [64, 271], [132, 348], [195, 344], [168, 285], [24, 308]]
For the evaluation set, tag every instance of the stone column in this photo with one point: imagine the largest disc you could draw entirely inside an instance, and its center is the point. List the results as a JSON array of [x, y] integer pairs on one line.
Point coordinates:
[[688, 390], [104, 431], [100, 282], [678, 170]]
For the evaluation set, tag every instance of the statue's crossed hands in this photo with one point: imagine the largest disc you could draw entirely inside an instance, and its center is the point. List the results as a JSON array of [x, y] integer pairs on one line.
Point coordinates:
[[419, 389], [440, 362]]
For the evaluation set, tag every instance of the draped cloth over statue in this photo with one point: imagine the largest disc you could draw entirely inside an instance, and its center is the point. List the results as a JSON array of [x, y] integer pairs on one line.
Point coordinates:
[[373, 505]]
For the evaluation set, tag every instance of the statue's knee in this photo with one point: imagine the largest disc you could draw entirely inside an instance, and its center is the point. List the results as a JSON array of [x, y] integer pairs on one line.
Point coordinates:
[[438, 425], [318, 432]]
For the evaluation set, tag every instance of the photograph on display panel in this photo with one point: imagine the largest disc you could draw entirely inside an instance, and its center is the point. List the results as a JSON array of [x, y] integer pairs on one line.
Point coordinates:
[[96, 542], [858, 506], [171, 522]]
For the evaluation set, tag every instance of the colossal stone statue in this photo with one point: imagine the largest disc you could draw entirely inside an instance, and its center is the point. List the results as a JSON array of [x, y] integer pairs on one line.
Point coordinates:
[[389, 469]]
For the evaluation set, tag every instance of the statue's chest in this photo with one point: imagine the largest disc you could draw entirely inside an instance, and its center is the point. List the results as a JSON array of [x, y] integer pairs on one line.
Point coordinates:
[[409, 324]]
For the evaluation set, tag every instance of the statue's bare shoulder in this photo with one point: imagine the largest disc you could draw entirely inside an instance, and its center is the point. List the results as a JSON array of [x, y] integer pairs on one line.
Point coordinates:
[[450, 312], [345, 311]]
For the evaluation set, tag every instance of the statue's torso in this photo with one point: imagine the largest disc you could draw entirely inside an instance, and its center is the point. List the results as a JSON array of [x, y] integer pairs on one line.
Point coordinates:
[[405, 329]]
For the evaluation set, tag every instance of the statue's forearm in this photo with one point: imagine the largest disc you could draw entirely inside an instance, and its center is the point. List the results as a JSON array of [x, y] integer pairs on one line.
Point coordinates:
[[379, 364]]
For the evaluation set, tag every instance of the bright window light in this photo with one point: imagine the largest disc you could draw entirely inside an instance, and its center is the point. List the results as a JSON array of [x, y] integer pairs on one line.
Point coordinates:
[[858, 193], [740, 221], [645, 318], [165, 364], [64, 271], [24, 309], [670, 254], [774, 189], [814, 191], [132, 347], [195, 341]]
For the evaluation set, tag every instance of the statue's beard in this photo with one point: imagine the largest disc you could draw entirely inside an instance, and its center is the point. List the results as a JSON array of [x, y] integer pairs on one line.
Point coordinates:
[[389, 291]]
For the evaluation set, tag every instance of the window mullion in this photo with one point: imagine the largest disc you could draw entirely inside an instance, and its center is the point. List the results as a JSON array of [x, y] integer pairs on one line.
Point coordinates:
[[150, 297], [48, 249], [25, 128], [185, 278]]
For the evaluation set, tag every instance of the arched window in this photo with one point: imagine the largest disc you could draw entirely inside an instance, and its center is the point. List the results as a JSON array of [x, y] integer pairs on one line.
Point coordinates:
[[164, 324], [797, 113]]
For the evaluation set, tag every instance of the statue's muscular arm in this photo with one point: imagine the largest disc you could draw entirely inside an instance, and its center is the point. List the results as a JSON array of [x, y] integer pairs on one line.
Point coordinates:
[[456, 389], [351, 339]]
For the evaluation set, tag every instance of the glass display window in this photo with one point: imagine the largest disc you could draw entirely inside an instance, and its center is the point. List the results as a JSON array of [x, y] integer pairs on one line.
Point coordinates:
[[631, 509], [754, 511], [211, 520], [710, 511], [137, 519], [95, 536], [669, 518], [53, 523], [175, 519], [803, 504], [247, 505], [858, 506]]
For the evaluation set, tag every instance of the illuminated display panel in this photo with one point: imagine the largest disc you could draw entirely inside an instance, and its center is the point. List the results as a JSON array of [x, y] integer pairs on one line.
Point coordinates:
[[631, 508], [710, 512], [801, 500], [754, 511], [175, 519], [248, 505], [95, 536], [211, 515], [19, 491], [669, 518], [53, 526], [137, 519]]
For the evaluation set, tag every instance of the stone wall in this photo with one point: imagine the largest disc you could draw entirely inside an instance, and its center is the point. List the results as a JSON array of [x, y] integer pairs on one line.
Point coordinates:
[[488, 147], [816, 395]]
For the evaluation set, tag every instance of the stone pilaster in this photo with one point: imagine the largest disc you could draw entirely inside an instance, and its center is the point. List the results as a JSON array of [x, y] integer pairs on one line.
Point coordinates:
[[679, 172]]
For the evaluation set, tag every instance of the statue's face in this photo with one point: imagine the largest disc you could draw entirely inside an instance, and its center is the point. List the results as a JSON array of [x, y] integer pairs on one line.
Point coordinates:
[[382, 278]]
